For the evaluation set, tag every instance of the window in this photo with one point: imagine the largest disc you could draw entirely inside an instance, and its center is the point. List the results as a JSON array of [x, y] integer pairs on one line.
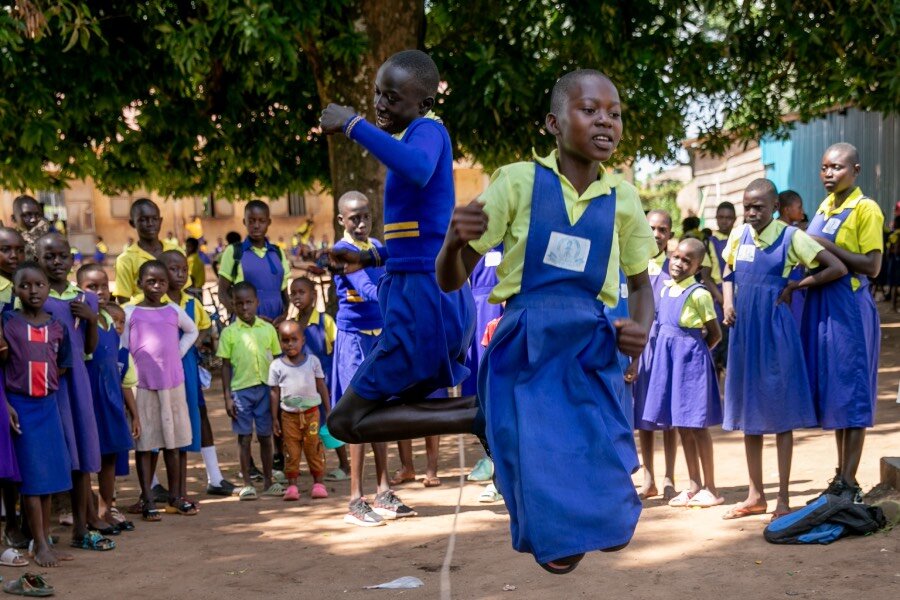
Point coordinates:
[[206, 207], [54, 204], [296, 204], [120, 206]]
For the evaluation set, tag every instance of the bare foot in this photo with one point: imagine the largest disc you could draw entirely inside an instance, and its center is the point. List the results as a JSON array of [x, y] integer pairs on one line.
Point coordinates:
[[62, 554], [648, 491], [782, 507], [45, 557], [402, 476]]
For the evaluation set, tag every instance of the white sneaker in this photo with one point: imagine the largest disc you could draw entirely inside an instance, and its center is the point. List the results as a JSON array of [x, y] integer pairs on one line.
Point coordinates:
[[490, 494], [361, 514]]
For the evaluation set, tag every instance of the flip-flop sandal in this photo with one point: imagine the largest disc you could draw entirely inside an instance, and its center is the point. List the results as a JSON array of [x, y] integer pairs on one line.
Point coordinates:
[[431, 482], [22, 544], [681, 500], [107, 531], [29, 584], [337, 475], [399, 479], [739, 512], [125, 526], [150, 513], [705, 499], [181, 507], [569, 564], [93, 541], [13, 558]]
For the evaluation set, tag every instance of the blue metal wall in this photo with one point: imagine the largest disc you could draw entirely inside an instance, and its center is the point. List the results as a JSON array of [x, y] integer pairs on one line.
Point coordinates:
[[794, 163]]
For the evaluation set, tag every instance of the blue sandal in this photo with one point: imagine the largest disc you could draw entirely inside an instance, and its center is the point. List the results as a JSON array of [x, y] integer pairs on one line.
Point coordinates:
[[93, 541]]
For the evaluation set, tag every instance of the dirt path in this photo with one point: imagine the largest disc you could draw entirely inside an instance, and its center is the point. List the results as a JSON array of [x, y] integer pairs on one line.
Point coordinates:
[[304, 550]]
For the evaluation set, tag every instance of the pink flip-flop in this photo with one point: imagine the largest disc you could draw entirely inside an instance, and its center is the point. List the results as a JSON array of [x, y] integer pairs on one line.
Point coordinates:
[[318, 491], [291, 493]]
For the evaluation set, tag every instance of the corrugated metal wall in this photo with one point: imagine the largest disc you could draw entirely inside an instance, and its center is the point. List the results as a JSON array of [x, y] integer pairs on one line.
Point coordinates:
[[794, 163]]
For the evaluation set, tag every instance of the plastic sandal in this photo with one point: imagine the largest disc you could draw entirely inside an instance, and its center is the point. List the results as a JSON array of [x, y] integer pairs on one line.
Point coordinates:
[[336, 475], [29, 584], [569, 563], [248, 492], [149, 512], [318, 491], [705, 499], [291, 494], [181, 507], [93, 541], [13, 558], [276, 489], [681, 499]]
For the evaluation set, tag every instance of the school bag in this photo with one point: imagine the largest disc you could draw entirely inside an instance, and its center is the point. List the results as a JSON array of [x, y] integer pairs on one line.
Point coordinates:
[[824, 520], [238, 250]]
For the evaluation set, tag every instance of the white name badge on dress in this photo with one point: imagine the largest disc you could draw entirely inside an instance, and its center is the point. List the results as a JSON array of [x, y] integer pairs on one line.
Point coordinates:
[[746, 252], [831, 226], [492, 258], [567, 251], [623, 291]]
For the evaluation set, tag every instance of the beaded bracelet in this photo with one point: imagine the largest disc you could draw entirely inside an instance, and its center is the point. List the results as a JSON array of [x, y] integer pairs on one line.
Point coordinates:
[[349, 128]]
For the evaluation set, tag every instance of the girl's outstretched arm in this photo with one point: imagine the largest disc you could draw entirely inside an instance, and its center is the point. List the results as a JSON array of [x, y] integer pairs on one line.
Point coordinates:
[[456, 260]]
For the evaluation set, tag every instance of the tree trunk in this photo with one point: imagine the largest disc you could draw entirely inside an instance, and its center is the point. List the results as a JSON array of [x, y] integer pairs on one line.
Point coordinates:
[[391, 26]]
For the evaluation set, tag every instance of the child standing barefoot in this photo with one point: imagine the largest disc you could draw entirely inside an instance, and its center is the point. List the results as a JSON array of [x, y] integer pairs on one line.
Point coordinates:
[[766, 386], [567, 227], [297, 386], [683, 390], [35, 350], [152, 329]]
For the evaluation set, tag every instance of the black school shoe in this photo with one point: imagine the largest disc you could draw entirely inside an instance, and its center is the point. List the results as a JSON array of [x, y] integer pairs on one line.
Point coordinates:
[[225, 488]]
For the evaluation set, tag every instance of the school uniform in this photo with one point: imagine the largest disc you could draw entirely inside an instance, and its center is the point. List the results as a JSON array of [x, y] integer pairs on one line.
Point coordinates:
[[190, 362], [128, 376], [36, 355], [359, 320], [9, 466], [841, 326], [106, 389], [427, 332], [76, 402], [546, 387], [267, 268], [620, 311], [6, 294], [766, 385], [250, 349], [482, 280], [320, 332], [683, 389], [658, 270], [128, 264]]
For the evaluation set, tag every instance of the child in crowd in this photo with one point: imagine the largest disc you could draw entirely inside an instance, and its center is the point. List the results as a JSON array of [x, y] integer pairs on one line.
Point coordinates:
[[683, 389], [766, 385], [196, 268], [100, 251], [427, 332], [297, 384], [581, 224], [258, 262], [638, 372], [28, 215], [490, 493], [712, 270], [246, 348], [12, 254], [790, 212], [841, 326], [319, 333], [145, 218], [109, 402], [35, 350], [78, 311], [359, 324], [158, 334]]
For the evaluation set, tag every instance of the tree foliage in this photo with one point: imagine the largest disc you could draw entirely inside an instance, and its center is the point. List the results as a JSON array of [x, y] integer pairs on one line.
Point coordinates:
[[191, 97]]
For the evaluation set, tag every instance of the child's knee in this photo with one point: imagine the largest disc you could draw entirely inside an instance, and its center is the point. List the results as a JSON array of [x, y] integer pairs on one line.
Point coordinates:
[[244, 440]]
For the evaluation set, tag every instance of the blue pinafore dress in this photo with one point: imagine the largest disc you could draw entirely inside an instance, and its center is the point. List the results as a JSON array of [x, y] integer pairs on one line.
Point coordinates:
[[266, 273], [318, 346], [766, 385], [76, 403], [547, 389], [106, 388], [841, 338], [122, 460], [483, 279], [683, 390], [641, 385], [192, 390], [620, 311]]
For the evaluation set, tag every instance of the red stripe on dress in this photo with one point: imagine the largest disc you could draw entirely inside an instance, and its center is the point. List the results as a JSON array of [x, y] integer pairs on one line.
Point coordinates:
[[37, 334], [37, 378]]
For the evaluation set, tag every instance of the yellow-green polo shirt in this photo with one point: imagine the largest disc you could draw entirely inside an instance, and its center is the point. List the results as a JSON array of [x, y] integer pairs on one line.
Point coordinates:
[[655, 264], [803, 248], [6, 291], [714, 271], [862, 229], [698, 308], [250, 349], [507, 202], [226, 266], [129, 263]]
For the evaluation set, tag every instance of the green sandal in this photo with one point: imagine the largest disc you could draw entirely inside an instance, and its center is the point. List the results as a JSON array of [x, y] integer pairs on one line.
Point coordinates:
[[29, 584], [276, 489], [248, 492], [93, 541]]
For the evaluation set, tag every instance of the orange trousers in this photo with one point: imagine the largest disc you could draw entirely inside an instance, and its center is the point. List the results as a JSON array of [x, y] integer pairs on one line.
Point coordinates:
[[300, 433]]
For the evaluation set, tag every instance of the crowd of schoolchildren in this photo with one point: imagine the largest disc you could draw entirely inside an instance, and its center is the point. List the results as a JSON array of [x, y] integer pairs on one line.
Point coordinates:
[[590, 315]]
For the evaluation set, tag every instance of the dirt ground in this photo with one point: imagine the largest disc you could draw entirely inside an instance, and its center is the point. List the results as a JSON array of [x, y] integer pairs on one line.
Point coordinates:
[[277, 550]]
